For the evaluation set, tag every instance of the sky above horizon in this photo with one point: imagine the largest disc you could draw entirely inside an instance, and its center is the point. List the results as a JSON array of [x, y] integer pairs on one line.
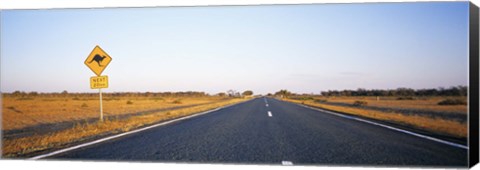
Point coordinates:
[[302, 48]]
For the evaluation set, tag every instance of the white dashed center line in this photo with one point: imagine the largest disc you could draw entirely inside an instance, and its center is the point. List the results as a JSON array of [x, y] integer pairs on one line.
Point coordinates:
[[269, 114], [266, 105]]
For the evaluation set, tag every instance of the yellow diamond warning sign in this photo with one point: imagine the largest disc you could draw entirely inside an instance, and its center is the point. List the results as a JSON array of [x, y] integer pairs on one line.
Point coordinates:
[[99, 82], [98, 60]]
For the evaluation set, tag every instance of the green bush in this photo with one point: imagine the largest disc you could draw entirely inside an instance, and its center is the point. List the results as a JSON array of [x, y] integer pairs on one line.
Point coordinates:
[[453, 102], [157, 99], [360, 103], [178, 101], [406, 98], [25, 98], [307, 98], [321, 100]]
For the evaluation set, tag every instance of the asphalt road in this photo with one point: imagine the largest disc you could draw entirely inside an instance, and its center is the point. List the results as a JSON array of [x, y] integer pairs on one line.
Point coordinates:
[[252, 132]]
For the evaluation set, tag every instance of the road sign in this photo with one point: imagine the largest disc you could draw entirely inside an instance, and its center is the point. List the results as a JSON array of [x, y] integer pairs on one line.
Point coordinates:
[[99, 82], [98, 60]]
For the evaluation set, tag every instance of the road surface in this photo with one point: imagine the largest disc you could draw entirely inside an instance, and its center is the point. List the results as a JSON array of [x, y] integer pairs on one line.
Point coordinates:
[[269, 131]]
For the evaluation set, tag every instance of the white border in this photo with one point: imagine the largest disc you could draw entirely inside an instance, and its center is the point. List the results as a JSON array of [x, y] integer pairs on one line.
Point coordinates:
[[72, 165], [49, 4]]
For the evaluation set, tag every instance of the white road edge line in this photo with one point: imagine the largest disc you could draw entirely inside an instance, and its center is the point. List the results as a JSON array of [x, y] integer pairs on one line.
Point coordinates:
[[127, 133], [390, 127], [287, 163], [269, 114]]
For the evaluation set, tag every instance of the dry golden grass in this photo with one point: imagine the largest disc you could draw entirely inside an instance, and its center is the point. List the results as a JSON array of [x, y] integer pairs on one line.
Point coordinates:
[[81, 132], [421, 103], [19, 113], [436, 125]]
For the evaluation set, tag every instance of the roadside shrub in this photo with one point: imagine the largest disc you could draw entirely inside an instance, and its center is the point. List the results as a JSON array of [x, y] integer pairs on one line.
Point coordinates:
[[129, 102], [360, 103], [302, 98], [25, 98], [14, 109], [406, 98], [84, 105], [157, 99], [453, 102], [177, 101], [76, 98], [306, 98], [321, 100]]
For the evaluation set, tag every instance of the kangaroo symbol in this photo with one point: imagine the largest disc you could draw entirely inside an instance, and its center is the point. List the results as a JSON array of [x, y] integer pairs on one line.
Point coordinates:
[[98, 59]]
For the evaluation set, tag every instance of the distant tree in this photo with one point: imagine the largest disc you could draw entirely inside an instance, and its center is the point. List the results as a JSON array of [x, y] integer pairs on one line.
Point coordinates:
[[463, 90], [64, 92], [347, 93], [324, 93], [247, 93], [402, 92], [17, 93], [361, 92], [283, 93], [147, 94], [33, 93], [405, 92], [233, 93], [425, 92], [222, 94]]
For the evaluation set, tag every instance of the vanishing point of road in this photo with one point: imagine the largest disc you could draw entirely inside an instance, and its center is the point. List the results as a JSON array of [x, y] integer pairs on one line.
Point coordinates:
[[270, 131]]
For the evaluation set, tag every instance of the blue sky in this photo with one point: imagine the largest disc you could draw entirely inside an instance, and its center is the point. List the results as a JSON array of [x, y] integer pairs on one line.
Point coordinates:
[[302, 48]]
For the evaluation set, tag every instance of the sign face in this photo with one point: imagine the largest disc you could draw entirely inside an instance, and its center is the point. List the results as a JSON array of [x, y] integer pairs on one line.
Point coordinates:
[[99, 82], [98, 60]]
